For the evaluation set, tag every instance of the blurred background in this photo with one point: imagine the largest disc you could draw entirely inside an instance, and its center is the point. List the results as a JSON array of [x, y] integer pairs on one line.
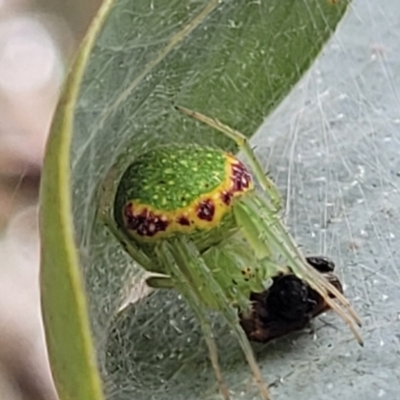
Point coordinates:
[[37, 43]]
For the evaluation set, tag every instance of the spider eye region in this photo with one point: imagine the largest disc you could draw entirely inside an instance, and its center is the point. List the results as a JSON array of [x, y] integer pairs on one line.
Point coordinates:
[[178, 189]]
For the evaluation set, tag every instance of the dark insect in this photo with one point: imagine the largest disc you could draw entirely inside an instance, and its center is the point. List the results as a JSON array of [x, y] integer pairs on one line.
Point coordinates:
[[288, 305]]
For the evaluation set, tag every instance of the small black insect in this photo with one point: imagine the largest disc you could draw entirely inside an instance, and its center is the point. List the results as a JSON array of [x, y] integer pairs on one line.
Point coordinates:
[[288, 305]]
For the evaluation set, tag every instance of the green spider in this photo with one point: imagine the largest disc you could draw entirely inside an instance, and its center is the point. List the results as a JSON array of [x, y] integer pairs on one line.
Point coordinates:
[[191, 216]]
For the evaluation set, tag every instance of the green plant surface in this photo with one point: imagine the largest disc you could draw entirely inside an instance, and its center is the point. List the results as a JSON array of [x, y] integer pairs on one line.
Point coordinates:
[[234, 60]]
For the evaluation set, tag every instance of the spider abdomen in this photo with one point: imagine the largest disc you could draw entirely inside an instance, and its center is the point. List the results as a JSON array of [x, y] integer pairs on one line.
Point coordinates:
[[178, 189]]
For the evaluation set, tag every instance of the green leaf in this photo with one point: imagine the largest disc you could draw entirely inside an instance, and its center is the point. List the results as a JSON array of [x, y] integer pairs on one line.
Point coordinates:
[[233, 60]]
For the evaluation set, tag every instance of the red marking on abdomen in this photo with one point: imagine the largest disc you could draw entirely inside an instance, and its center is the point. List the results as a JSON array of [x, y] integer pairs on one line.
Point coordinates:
[[240, 177], [205, 210], [146, 223], [183, 221]]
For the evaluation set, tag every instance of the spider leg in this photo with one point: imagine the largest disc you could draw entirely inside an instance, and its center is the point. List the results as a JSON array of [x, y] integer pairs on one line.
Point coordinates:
[[253, 214], [243, 144], [173, 262], [160, 282], [189, 261]]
